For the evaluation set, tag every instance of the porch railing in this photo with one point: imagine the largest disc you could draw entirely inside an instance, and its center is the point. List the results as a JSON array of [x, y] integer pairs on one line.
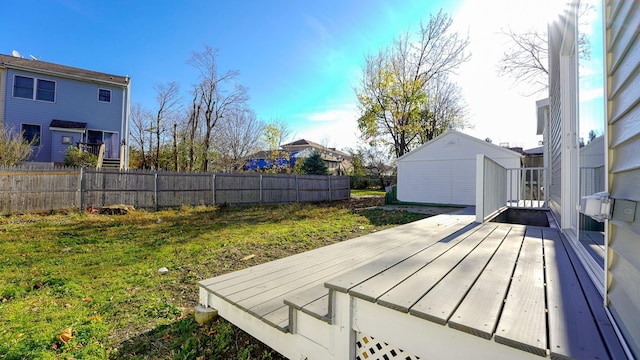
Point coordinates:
[[526, 188], [498, 187], [93, 148], [491, 185]]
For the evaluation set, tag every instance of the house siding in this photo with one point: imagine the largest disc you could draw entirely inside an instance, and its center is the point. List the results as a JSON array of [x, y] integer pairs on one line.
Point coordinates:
[[555, 123], [3, 79], [623, 127], [74, 101]]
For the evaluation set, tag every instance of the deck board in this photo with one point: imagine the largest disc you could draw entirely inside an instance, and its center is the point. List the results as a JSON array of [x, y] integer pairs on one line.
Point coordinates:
[[435, 235], [572, 334], [410, 290], [479, 312], [523, 320], [439, 304], [400, 266], [595, 302]]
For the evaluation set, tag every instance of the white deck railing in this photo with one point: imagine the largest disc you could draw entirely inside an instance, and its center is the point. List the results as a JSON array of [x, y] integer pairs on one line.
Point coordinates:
[[526, 188], [491, 185], [498, 187]]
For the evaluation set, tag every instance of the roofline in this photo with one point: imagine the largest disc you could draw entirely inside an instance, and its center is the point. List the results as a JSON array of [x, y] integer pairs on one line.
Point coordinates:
[[68, 76], [456, 132]]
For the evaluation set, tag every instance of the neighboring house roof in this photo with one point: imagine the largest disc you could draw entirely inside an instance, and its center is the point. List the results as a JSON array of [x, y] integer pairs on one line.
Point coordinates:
[[304, 143], [535, 151], [264, 154], [43, 67], [449, 133]]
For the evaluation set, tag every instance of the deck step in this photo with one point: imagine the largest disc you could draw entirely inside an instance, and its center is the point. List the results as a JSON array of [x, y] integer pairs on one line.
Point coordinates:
[[313, 301]]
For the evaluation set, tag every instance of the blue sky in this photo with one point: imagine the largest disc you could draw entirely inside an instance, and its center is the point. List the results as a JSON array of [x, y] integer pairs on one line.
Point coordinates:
[[299, 59]]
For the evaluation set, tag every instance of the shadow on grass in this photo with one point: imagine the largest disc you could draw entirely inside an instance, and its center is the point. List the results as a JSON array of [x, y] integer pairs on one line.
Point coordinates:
[[380, 217], [185, 339]]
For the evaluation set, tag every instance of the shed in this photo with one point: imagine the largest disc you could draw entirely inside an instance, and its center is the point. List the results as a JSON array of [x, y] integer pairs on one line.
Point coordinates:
[[443, 170]]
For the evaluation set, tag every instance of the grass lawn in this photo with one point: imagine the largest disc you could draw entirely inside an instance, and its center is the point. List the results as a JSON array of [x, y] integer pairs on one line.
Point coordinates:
[[87, 286], [367, 192]]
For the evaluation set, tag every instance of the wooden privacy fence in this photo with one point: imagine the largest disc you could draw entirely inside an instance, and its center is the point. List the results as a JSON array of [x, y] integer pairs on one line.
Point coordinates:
[[26, 190]]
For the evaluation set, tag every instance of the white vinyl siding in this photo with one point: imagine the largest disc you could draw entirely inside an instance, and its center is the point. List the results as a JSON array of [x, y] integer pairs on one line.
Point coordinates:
[[443, 171], [623, 127]]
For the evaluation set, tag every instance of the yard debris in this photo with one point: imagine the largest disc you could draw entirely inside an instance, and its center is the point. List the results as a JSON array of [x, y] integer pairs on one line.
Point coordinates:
[[163, 271], [117, 209], [248, 257], [66, 335]]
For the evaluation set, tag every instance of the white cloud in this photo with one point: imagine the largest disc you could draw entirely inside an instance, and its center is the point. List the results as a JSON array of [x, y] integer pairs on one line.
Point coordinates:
[[337, 126]]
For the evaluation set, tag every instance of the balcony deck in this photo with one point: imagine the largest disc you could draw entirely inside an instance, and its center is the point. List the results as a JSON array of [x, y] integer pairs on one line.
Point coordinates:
[[442, 287]]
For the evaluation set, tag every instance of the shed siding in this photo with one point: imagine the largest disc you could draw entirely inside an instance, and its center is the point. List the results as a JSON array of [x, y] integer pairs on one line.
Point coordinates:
[[443, 170], [623, 126], [74, 101]]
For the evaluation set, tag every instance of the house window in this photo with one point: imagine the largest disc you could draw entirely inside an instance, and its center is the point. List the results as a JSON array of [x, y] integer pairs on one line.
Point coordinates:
[[31, 133], [46, 90], [104, 95], [23, 87]]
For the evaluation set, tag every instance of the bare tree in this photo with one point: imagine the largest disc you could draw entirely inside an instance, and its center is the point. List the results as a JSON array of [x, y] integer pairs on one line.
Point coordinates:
[[237, 136], [443, 109], [140, 127], [215, 99], [527, 57], [168, 100], [395, 82], [192, 133]]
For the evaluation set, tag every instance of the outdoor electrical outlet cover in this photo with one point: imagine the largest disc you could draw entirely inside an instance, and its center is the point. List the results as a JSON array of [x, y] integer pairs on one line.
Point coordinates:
[[624, 210]]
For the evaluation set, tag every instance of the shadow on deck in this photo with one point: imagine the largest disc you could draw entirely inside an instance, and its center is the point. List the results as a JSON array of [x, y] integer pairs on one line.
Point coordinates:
[[442, 287]]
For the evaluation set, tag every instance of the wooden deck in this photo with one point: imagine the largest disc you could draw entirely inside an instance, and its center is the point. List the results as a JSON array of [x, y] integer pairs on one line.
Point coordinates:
[[501, 290]]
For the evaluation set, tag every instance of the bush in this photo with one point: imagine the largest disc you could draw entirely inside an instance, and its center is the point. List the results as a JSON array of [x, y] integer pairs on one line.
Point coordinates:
[[74, 157], [14, 149]]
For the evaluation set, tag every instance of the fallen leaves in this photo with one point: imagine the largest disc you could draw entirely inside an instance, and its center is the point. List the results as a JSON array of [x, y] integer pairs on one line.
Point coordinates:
[[248, 257], [66, 335]]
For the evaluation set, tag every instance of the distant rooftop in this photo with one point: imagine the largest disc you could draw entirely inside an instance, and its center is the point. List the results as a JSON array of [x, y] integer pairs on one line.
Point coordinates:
[[305, 142], [44, 67]]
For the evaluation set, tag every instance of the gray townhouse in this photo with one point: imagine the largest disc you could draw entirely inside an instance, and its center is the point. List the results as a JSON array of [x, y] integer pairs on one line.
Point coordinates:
[[61, 106]]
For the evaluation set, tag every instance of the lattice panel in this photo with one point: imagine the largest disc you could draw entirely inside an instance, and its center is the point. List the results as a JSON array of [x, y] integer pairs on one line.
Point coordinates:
[[368, 348]]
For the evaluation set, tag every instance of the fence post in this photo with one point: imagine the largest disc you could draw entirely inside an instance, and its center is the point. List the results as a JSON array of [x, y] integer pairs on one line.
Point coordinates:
[[155, 188], [213, 188], [330, 197], [297, 189], [80, 190], [260, 200]]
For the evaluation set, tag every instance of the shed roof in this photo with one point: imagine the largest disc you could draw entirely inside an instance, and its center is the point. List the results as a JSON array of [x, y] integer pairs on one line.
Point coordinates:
[[44, 67], [442, 137]]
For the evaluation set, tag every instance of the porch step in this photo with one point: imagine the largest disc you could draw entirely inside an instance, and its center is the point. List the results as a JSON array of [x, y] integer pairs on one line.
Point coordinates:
[[111, 164]]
